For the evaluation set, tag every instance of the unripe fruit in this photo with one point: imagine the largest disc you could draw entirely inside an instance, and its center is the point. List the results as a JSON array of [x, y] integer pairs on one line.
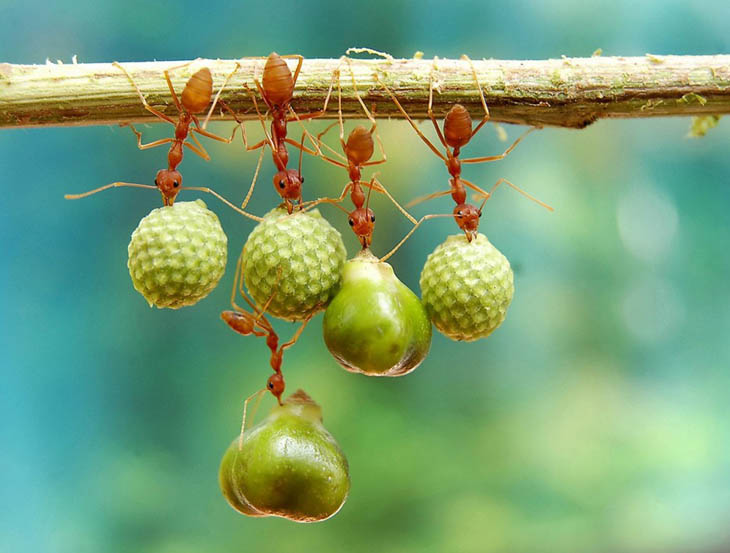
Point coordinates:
[[177, 254], [298, 258], [375, 325], [467, 287], [288, 466]]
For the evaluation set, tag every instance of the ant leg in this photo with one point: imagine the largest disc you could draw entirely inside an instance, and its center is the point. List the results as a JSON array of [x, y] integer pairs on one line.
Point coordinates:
[[149, 144], [297, 334], [410, 121], [488, 195], [253, 182], [368, 114], [257, 395], [410, 232], [332, 150], [505, 153], [149, 108], [218, 94], [427, 197], [222, 199], [392, 199], [333, 201], [431, 116], [481, 95], [199, 150], [106, 187]]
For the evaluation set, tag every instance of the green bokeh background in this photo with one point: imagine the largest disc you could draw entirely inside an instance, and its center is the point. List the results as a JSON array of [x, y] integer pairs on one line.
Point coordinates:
[[594, 420]]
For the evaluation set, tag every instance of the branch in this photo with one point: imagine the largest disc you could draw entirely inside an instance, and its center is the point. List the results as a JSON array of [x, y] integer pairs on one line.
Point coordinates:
[[569, 92]]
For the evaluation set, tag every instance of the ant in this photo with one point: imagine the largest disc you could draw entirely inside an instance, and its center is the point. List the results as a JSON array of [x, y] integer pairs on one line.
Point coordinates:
[[358, 151], [256, 323], [456, 134], [277, 91], [195, 98]]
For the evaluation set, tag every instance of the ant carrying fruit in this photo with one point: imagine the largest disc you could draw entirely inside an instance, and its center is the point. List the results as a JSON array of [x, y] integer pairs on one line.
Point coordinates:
[[246, 323], [457, 132], [196, 96], [277, 91], [358, 151]]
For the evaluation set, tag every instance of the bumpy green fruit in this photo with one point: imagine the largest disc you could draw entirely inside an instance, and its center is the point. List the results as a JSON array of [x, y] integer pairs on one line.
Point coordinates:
[[177, 254], [287, 466], [375, 325], [467, 287], [307, 251]]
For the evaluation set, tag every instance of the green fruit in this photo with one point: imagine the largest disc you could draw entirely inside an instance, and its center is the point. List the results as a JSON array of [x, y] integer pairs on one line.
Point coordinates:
[[288, 466], [295, 258], [375, 325], [467, 287], [177, 254]]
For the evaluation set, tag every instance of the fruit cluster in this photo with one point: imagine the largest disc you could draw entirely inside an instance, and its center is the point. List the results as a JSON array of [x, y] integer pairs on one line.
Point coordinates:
[[294, 265]]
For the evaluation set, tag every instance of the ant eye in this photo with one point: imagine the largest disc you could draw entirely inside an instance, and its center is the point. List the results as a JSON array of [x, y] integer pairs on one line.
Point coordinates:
[[282, 184], [156, 183], [480, 214], [458, 213], [270, 385], [372, 218], [352, 223], [301, 179], [176, 184]]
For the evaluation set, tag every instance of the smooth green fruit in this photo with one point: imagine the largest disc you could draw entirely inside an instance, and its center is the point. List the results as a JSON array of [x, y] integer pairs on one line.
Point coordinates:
[[287, 466], [177, 254], [467, 287], [298, 259], [375, 325]]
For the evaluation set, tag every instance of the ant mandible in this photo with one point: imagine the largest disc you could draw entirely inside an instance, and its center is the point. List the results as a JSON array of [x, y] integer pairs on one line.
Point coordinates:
[[277, 91], [358, 151], [256, 324], [456, 134], [196, 96]]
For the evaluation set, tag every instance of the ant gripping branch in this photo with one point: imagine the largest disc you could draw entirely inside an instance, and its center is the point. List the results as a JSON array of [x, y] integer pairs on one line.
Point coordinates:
[[245, 323], [277, 91], [358, 151], [194, 99], [456, 134]]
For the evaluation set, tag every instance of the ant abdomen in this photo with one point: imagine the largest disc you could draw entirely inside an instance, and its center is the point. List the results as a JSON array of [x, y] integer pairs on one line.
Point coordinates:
[[278, 82], [198, 91], [360, 145], [457, 126], [238, 322]]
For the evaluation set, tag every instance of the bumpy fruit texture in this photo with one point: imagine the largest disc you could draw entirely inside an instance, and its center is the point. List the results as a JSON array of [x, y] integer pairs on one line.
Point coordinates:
[[309, 254], [467, 287], [177, 254], [375, 325], [288, 466]]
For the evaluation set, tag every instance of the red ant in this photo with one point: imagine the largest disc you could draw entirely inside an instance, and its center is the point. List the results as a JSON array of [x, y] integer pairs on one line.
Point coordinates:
[[196, 97], [358, 151], [256, 323], [277, 91], [456, 134]]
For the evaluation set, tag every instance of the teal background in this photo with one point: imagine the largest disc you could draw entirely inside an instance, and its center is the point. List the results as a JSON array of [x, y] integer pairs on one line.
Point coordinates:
[[594, 420]]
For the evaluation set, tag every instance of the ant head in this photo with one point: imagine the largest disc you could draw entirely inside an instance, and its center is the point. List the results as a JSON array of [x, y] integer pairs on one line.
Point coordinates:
[[169, 183], [457, 126], [467, 217], [288, 184], [275, 384], [198, 91], [362, 221], [360, 146], [277, 81]]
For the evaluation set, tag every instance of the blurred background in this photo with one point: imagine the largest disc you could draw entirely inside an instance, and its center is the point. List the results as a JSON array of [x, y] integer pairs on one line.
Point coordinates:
[[594, 420]]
